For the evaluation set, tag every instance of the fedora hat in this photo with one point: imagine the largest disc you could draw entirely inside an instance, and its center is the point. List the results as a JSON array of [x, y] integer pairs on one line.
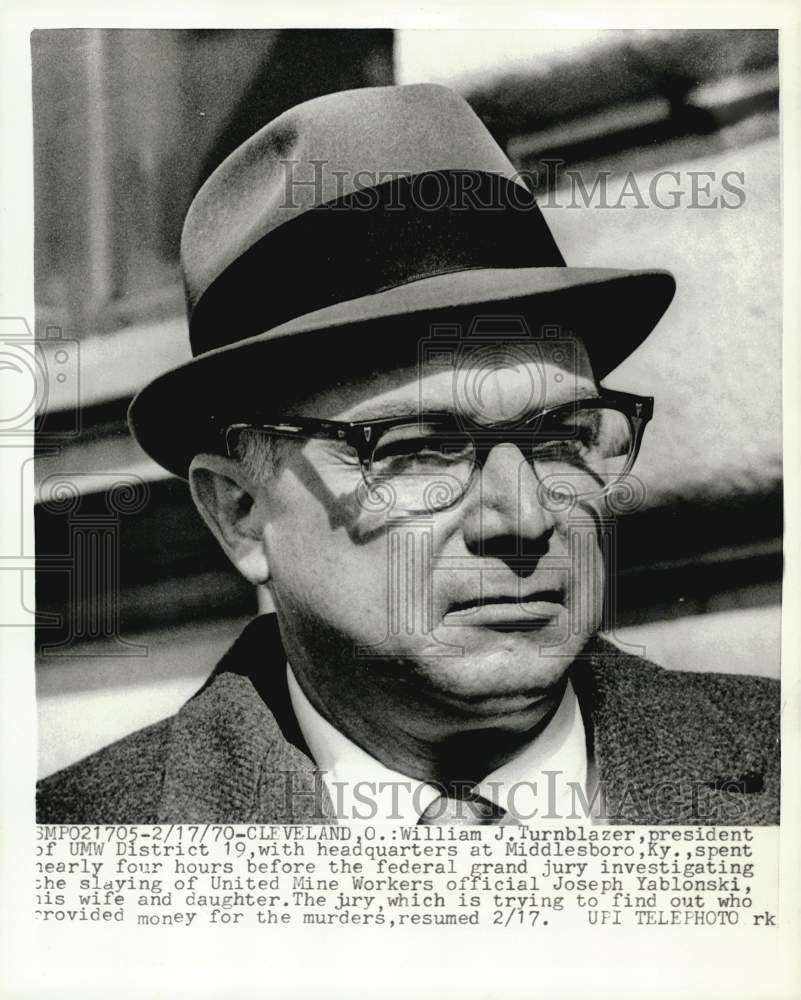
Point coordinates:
[[337, 233]]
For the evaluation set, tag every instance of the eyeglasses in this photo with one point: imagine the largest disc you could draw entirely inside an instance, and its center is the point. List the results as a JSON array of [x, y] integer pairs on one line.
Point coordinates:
[[423, 464]]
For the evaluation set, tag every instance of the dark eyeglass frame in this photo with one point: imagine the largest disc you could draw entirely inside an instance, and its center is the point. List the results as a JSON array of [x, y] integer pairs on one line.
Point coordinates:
[[363, 435]]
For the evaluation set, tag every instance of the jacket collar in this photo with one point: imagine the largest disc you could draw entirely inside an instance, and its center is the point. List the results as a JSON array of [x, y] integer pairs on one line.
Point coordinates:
[[232, 758]]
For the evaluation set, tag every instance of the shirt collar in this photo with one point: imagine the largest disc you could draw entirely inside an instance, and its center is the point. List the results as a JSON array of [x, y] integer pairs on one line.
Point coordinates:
[[536, 784]]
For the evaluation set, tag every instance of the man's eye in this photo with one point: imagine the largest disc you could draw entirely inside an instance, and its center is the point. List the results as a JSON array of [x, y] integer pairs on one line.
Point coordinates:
[[337, 451], [420, 448], [407, 451], [395, 449]]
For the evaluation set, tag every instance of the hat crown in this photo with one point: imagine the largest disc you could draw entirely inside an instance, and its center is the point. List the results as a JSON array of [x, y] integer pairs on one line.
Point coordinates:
[[320, 151]]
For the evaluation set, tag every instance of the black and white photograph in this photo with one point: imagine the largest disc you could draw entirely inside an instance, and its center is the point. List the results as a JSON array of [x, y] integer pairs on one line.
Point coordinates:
[[398, 440], [469, 540]]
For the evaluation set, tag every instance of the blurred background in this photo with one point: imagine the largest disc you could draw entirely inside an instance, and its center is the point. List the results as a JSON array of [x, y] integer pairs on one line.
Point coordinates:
[[135, 602]]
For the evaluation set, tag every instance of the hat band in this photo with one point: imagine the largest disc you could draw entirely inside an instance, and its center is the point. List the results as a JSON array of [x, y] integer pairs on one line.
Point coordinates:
[[369, 241]]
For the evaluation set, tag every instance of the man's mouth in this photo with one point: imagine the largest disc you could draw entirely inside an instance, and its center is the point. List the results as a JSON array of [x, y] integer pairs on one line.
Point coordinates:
[[506, 611]]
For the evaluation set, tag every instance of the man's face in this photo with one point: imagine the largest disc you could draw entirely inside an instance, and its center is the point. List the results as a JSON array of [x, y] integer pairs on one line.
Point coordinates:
[[471, 613]]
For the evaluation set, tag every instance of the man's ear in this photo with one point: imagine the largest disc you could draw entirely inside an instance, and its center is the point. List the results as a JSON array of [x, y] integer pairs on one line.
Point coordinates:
[[230, 505]]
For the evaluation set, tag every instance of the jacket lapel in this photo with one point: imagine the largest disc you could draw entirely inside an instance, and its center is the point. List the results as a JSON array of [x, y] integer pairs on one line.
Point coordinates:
[[666, 747]]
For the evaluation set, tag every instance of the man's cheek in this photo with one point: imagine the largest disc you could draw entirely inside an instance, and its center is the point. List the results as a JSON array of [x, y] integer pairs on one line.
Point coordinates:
[[345, 593]]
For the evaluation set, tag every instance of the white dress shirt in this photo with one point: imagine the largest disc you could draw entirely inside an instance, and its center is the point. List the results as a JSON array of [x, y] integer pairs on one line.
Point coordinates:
[[539, 783]]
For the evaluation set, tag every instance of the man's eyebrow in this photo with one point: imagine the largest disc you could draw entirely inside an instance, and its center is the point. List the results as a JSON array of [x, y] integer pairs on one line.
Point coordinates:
[[380, 408]]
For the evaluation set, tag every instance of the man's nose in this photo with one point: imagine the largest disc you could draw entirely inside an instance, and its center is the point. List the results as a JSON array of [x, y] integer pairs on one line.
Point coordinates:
[[504, 517]]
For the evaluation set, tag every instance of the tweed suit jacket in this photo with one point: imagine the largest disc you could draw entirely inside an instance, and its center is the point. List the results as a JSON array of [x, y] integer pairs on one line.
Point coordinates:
[[669, 747]]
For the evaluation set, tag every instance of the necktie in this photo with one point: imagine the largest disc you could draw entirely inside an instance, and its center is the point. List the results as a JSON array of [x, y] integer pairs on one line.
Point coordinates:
[[465, 810]]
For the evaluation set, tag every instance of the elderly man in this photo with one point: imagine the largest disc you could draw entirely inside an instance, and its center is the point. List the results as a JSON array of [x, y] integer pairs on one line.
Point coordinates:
[[393, 425]]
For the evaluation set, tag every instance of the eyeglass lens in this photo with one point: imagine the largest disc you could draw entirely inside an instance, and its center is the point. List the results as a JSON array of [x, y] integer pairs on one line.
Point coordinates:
[[578, 453]]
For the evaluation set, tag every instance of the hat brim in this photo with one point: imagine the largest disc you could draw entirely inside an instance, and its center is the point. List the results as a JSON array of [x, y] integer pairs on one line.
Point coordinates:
[[612, 311]]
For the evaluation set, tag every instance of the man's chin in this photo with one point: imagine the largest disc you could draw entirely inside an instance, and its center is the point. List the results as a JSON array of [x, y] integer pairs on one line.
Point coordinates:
[[517, 681], [509, 652]]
